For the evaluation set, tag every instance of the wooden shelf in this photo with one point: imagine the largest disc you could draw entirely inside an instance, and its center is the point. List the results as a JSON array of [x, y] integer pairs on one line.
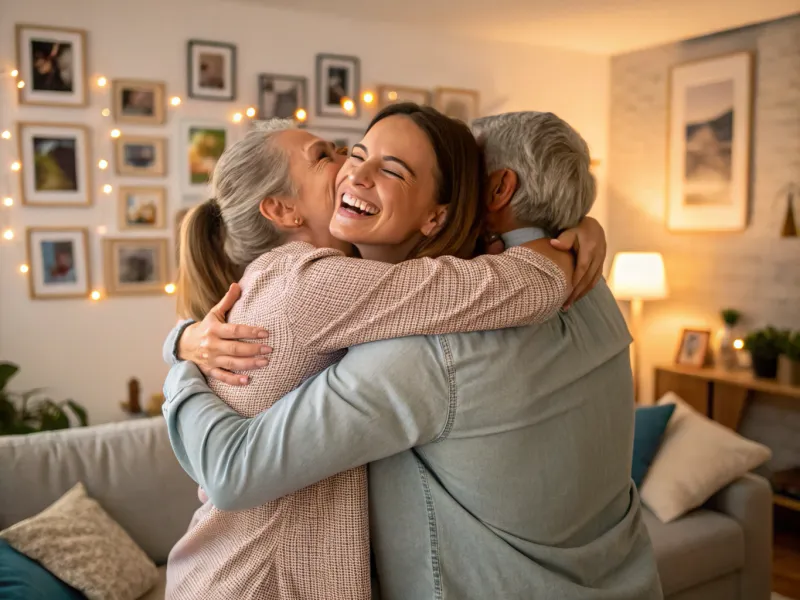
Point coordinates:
[[742, 378], [786, 502]]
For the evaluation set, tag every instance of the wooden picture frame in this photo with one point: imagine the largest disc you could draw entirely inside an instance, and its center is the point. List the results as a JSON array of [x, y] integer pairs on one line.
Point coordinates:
[[40, 49], [202, 56], [145, 271], [58, 260], [338, 77], [457, 103], [64, 179], [140, 156], [141, 208], [693, 347], [139, 102], [392, 94]]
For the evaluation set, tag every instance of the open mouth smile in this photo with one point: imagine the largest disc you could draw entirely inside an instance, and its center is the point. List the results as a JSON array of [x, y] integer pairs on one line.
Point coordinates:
[[356, 206]]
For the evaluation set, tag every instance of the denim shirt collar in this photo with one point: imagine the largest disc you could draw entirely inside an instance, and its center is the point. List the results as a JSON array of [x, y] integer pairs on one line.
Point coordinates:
[[517, 237]]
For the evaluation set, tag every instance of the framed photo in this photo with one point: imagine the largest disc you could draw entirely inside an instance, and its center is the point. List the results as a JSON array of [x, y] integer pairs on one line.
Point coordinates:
[[59, 262], [135, 265], [710, 107], [458, 104], [55, 164], [693, 349], [139, 102], [52, 63], [338, 78], [142, 208], [141, 156], [179, 217], [212, 70], [392, 94], [279, 96], [342, 137], [202, 144]]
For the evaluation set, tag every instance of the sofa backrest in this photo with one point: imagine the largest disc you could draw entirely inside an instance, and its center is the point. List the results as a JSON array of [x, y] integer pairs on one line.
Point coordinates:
[[128, 467]]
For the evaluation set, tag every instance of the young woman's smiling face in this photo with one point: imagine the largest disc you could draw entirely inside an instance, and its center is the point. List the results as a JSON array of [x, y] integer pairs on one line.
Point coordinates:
[[387, 191]]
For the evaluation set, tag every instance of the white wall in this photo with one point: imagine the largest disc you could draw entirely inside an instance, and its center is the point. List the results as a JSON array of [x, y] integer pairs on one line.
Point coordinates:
[[87, 350]]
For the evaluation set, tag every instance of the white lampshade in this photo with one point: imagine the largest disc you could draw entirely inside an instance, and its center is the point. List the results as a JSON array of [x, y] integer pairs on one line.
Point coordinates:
[[638, 275]]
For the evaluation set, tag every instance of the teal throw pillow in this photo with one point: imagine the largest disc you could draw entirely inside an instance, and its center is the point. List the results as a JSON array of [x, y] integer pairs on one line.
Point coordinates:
[[650, 424], [22, 578]]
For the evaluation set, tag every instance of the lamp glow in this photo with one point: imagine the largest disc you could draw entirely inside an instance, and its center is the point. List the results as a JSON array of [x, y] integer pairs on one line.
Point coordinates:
[[251, 112], [23, 269], [6, 135], [115, 133], [300, 114], [107, 188], [8, 234], [20, 84], [175, 101], [738, 344], [170, 288], [638, 275], [95, 295], [102, 230], [102, 81], [392, 96], [8, 201], [237, 117], [14, 73], [16, 166], [102, 164], [368, 97], [105, 112]]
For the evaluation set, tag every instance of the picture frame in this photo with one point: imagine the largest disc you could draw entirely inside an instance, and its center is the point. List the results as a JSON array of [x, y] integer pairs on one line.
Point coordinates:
[[338, 78], [693, 347], [342, 137], [52, 63], [393, 94], [141, 208], [135, 266], [211, 70], [58, 258], [710, 132], [139, 102], [280, 96], [55, 160], [140, 156], [201, 145], [457, 103], [180, 215]]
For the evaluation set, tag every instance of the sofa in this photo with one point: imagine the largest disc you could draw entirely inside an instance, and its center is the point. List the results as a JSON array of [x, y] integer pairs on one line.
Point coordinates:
[[719, 552]]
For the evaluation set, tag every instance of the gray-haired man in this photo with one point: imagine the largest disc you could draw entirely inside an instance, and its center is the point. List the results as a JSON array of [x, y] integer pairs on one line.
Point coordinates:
[[499, 461]]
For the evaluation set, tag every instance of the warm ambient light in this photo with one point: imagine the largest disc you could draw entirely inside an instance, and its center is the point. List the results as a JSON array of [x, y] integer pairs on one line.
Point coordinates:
[[251, 112], [105, 112], [368, 97], [638, 275], [300, 114], [175, 101], [170, 288], [102, 81], [392, 96], [6, 135], [95, 295], [738, 344], [8, 201], [16, 166], [23, 269], [107, 188], [115, 133], [348, 104], [14, 73], [20, 84], [8, 234], [237, 117], [102, 230], [102, 164]]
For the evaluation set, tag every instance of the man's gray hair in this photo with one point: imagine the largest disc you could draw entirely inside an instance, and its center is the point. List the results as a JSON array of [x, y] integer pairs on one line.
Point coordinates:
[[556, 188]]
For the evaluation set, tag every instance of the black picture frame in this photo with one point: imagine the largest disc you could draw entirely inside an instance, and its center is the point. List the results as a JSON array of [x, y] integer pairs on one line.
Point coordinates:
[[191, 92], [327, 110], [299, 79]]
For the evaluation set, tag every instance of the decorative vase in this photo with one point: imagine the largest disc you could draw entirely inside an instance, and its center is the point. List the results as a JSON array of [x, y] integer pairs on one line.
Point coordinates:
[[764, 367], [726, 354], [788, 370]]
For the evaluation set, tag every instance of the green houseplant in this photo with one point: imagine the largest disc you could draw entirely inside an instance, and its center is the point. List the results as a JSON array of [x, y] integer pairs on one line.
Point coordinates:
[[31, 412], [789, 361], [765, 345]]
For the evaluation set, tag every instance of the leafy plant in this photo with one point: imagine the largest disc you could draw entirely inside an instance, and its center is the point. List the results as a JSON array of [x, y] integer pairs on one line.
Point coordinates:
[[766, 343], [731, 316], [790, 346], [30, 412]]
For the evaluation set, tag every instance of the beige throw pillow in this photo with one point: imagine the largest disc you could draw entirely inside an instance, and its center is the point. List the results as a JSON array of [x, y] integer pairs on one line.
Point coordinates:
[[78, 542], [698, 457]]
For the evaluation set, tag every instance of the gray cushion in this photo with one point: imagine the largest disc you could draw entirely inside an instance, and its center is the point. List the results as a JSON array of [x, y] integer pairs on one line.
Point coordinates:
[[128, 467], [697, 548]]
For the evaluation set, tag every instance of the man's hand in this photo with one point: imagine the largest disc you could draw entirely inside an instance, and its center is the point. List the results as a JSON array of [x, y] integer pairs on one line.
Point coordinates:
[[589, 241], [213, 345]]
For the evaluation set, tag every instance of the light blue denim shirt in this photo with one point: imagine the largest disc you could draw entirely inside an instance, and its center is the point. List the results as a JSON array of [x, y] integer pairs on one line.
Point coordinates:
[[499, 461]]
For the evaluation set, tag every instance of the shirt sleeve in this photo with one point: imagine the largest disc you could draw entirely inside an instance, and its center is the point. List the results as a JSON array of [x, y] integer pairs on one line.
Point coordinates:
[[169, 351], [334, 302], [367, 407]]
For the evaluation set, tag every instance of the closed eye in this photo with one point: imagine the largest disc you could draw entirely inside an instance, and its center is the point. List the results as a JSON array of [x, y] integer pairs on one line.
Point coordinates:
[[393, 174]]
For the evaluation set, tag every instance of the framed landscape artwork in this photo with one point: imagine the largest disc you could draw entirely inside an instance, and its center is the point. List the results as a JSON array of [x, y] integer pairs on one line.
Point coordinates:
[[279, 96], [141, 156], [52, 63], [142, 208], [59, 263], [55, 164], [202, 144], [709, 144], [138, 102], [211, 70], [457, 103], [338, 79], [135, 265]]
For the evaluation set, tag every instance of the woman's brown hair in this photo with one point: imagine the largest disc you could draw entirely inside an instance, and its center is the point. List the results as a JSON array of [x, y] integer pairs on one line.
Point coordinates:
[[459, 174]]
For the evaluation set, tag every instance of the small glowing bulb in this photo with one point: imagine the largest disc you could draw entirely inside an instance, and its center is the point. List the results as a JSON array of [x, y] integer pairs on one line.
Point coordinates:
[[237, 117], [368, 97], [20, 84], [175, 101], [23, 268], [8, 201], [115, 133], [251, 112], [8, 234], [15, 166], [103, 164], [738, 344], [170, 288], [105, 112], [6, 135], [102, 81], [14, 73], [348, 104], [392, 96], [102, 230], [95, 295], [300, 114], [107, 188]]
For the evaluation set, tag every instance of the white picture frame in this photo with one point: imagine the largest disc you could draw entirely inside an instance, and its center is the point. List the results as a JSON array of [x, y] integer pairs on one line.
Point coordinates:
[[197, 158], [59, 263], [338, 78]]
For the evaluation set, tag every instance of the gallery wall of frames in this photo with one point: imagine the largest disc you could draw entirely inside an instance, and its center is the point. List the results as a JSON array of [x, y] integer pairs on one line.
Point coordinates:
[[58, 167]]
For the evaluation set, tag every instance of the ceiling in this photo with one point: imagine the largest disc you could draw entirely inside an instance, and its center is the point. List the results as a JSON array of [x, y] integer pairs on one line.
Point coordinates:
[[596, 26]]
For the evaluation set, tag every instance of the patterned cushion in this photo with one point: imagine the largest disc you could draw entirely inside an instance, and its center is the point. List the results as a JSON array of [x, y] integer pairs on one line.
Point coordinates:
[[79, 543]]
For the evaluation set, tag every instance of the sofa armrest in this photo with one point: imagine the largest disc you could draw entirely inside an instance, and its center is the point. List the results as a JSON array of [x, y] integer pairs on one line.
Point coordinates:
[[748, 501]]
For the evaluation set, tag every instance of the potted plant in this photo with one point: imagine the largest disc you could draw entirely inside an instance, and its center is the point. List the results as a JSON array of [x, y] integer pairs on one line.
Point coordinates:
[[726, 353], [30, 412], [765, 345], [789, 360]]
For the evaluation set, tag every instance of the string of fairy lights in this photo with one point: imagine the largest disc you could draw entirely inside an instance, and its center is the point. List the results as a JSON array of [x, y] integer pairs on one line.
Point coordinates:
[[11, 165]]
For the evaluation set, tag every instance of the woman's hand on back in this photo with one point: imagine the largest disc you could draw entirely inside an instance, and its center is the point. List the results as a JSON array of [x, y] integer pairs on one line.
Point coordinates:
[[215, 347], [588, 240]]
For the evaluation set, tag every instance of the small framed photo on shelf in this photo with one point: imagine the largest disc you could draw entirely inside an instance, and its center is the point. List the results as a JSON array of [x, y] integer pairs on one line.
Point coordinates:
[[139, 102], [338, 80], [693, 348], [393, 94], [211, 70], [280, 96], [202, 144], [135, 265], [141, 156], [55, 164], [59, 263], [52, 63], [457, 103], [142, 208]]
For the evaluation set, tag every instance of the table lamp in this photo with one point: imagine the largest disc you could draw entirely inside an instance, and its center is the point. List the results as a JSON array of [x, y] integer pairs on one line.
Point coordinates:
[[637, 276]]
